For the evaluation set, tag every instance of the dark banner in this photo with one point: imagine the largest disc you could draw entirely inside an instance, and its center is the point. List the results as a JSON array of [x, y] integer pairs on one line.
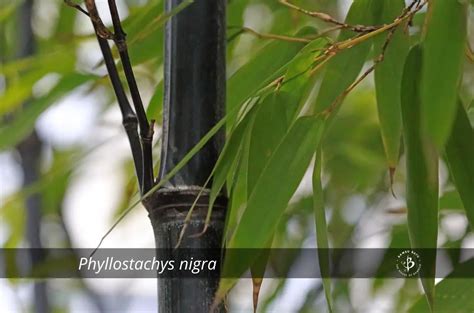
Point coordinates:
[[199, 263]]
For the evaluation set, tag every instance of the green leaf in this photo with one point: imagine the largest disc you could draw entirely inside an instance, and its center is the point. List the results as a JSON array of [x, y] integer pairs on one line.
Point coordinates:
[[273, 190], [443, 56], [321, 228], [228, 159], [238, 196], [388, 78], [155, 107], [460, 157], [269, 127], [261, 69], [344, 68], [421, 168], [453, 295], [451, 200], [14, 131], [298, 81]]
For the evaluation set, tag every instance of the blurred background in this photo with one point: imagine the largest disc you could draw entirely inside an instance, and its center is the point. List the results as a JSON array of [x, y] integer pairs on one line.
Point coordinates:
[[66, 172]]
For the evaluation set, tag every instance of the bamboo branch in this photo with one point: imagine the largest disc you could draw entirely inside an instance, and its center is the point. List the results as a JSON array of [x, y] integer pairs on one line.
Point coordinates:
[[249, 30], [129, 119], [329, 19], [337, 47], [76, 6], [146, 133], [378, 60]]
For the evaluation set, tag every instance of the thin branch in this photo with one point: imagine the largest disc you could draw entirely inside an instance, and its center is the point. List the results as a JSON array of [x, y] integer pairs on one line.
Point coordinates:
[[129, 119], [341, 97], [146, 133], [326, 31], [76, 6], [335, 48], [329, 19], [248, 30], [99, 27], [378, 60]]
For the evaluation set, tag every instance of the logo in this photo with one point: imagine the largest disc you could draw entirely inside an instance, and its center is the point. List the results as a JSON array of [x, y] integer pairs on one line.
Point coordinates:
[[408, 263]]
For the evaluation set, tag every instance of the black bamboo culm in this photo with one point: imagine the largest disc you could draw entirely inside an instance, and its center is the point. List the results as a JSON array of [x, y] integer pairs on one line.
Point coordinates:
[[194, 102]]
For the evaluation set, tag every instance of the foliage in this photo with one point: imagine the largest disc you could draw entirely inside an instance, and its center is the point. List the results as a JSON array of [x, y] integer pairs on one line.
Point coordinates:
[[306, 83]]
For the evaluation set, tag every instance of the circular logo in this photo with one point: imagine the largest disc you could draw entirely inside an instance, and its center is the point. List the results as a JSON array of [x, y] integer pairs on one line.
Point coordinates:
[[408, 263]]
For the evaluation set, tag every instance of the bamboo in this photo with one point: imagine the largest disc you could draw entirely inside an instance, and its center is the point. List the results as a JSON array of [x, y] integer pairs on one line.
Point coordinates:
[[194, 102]]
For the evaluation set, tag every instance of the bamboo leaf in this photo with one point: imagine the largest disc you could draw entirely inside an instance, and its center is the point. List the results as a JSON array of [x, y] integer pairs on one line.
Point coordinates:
[[422, 171], [443, 56], [262, 69], [344, 68], [453, 295], [14, 131], [228, 159], [321, 229], [298, 81], [269, 127], [239, 187], [155, 107], [388, 77], [460, 156], [271, 194]]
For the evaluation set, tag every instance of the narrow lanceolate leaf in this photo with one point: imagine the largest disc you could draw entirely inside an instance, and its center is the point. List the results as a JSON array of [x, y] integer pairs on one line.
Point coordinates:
[[238, 184], [460, 157], [262, 69], [443, 56], [388, 79], [344, 68], [321, 229], [271, 194], [230, 155], [269, 127], [422, 171], [257, 270]]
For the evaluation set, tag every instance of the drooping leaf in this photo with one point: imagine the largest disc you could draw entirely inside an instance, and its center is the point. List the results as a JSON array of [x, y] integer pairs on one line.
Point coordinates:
[[321, 228], [272, 192], [388, 78], [344, 68], [257, 270], [460, 157], [238, 184], [422, 170], [231, 154], [443, 56], [269, 127]]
